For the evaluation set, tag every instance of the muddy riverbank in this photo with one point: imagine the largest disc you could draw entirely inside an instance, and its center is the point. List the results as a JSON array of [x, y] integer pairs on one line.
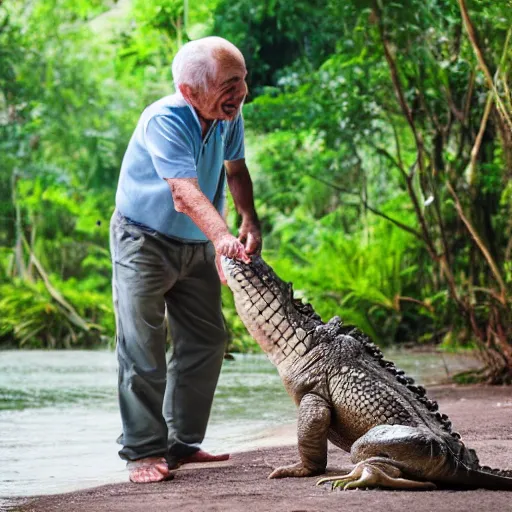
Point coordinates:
[[482, 414]]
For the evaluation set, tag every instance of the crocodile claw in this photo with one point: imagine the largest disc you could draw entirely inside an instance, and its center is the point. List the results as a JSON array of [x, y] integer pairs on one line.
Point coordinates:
[[367, 475], [295, 470]]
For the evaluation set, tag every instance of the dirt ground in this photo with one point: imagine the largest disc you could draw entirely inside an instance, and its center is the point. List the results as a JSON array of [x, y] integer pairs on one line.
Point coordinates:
[[483, 415]]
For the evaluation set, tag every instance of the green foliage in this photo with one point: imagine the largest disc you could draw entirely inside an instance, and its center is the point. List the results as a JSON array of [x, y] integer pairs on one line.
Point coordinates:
[[371, 274], [65, 123], [31, 318], [273, 35], [351, 189]]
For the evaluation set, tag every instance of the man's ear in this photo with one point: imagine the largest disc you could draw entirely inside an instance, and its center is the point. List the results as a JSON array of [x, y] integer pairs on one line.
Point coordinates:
[[187, 92]]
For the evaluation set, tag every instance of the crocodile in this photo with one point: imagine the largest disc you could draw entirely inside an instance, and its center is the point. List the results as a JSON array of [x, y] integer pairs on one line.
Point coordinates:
[[347, 393]]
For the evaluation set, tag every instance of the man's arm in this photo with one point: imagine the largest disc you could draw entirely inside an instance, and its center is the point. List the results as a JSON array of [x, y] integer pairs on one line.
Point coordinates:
[[240, 186], [189, 199]]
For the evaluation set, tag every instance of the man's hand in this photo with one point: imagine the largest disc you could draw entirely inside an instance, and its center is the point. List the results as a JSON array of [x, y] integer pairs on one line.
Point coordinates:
[[189, 199], [250, 235], [218, 264], [228, 245]]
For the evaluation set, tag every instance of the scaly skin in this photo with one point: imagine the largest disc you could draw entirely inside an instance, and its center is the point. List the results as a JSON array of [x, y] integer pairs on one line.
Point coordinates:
[[348, 394]]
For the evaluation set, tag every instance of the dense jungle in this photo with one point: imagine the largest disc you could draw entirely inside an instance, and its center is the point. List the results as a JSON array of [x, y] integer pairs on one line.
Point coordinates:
[[379, 139]]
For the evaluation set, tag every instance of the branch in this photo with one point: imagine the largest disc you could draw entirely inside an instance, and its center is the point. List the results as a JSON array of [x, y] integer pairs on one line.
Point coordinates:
[[479, 244], [508, 249], [470, 29], [397, 144], [504, 82], [18, 247], [478, 141], [398, 164], [332, 185], [419, 143], [469, 95], [66, 307], [432, 116], [473, 38], [453, 108], [401, 298], [488, 291], [394, 221], [367, 206], [396, 79]]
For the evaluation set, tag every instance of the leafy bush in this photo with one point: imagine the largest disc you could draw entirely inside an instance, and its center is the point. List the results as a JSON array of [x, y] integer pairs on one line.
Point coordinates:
[[31, 318]]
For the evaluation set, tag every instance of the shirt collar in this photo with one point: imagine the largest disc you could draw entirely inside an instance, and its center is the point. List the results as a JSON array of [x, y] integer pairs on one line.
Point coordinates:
[[215, 122]]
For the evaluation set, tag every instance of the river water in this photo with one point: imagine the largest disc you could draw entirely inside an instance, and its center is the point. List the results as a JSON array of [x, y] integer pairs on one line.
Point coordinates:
[[59, 416]]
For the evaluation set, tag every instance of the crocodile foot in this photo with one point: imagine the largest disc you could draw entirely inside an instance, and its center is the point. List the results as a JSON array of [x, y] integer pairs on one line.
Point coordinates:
[[368, 474], [295, 470]]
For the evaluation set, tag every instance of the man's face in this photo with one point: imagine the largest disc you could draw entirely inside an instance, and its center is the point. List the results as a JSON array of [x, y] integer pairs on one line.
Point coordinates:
[[224, 97]]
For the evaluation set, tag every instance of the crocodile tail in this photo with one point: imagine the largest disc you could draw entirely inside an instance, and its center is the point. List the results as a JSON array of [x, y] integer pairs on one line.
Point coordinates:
[[469, 473], [486, 478]]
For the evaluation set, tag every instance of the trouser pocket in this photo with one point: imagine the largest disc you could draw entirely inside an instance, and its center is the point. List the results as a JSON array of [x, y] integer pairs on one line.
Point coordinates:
[[127, 240]]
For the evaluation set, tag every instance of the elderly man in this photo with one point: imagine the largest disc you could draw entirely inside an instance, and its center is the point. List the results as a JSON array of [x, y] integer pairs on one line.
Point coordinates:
[[167, 234]]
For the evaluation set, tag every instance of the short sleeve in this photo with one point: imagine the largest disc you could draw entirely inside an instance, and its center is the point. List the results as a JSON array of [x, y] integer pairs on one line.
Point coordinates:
[[170, 148], [235, 146]]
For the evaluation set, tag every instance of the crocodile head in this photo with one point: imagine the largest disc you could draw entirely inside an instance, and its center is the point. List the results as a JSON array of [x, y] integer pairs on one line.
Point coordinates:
[[283, 326]]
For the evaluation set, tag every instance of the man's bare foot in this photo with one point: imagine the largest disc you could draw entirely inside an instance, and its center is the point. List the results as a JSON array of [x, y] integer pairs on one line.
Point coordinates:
[[202, 456], [149, 469]]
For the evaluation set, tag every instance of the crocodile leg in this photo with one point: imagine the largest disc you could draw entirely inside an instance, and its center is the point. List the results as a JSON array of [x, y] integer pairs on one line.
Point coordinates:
[[312, 429], [375, 472], [396, 457]]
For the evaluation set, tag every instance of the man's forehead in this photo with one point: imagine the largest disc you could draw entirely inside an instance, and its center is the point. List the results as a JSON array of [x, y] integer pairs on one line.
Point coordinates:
[[233, 79], [229, 62], [226, 55]]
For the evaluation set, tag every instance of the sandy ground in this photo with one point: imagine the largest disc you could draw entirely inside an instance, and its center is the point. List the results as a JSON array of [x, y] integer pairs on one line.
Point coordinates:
[[483, 415]]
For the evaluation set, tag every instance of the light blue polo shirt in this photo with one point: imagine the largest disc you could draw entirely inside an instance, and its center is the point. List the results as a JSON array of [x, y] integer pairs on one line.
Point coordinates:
[[167, 143]]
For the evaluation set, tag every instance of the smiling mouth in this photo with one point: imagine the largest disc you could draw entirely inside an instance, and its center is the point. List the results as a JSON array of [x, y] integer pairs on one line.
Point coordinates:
[[229, 108]]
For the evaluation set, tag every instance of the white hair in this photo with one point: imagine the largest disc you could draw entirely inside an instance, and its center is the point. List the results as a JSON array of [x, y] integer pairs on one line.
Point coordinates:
[[195, 63]]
